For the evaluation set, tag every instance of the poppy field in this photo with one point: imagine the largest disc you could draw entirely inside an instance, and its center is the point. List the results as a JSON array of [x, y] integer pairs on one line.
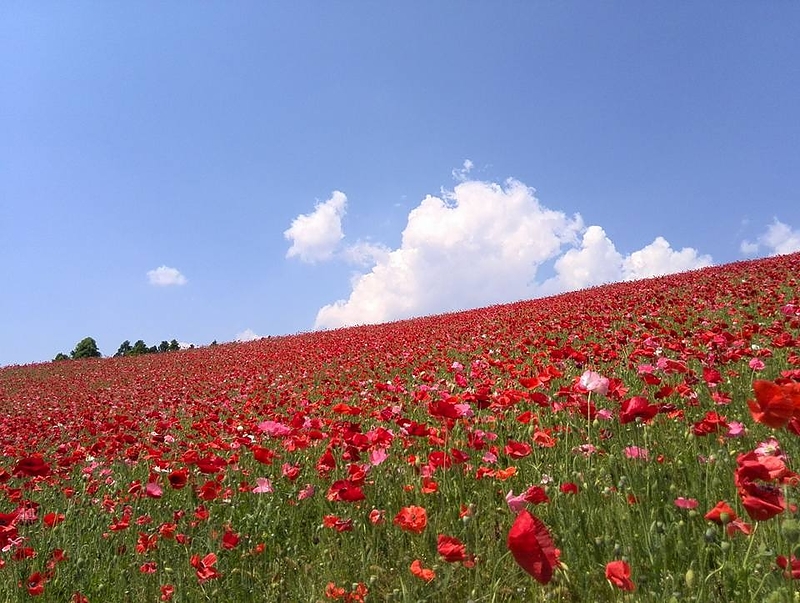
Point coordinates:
[[631, 442]]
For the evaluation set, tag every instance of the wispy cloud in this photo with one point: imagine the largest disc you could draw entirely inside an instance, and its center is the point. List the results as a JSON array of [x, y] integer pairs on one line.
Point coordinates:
[[164, 276], [777, 239], [461, 174]]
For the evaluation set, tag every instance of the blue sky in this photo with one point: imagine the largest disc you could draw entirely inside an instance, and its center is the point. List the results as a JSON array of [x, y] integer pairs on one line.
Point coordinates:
[[207, 171]]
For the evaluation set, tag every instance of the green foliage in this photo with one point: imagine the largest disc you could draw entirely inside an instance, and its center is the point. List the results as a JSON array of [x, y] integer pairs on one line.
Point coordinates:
[[86, 348], [139, 348], [60, 356]]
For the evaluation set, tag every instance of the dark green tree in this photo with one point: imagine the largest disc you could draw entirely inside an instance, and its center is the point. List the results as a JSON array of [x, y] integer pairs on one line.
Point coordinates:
[[174, 346], [124, 348], [163, 346], [140, 347], [60, 356], [86, 348]]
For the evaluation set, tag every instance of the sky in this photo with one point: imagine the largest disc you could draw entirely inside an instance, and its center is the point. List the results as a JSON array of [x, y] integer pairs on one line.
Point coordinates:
[[222, 171]]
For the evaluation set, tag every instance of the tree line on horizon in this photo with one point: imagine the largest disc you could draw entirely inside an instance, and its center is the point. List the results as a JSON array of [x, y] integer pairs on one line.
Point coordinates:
[[87, 348]]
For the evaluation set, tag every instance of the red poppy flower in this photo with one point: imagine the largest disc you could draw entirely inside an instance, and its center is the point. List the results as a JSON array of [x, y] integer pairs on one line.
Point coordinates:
[[204, 568], [210, 490], [31, 466], [711, 423], [532, 547], [52, 519], [412, 519], [536, 495], [211, 464], [326, 463], [517, 450], [772, 406], [421, 572], [345, 490], [337, 523], [263, 455], [178, 478], [451, 549], [429, 486], [721, 513], [149, 567], [637, 408], [35, 584], [568, 488], [762, 502], [619, 574], [790, 567], [230, 539]]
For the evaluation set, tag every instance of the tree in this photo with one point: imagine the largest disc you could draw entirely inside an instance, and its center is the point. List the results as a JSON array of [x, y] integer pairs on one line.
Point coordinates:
[[124, 348], [60, 356], [163, 346], [174, 346], [140, 347], [86, 348]]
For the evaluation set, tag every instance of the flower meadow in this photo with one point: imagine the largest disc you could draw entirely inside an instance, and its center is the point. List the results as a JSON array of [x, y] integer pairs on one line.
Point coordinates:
[[631, 442]]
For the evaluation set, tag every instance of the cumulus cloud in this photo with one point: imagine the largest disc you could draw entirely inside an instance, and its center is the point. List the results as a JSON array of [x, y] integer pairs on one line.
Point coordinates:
[[315, 236], [483, 243], [164, 276], [777, 239], [247, 335], [598, 262], [479, 244], [658, 258]]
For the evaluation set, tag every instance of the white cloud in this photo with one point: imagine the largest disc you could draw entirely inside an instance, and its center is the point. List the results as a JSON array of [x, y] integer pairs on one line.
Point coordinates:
[[164, 276], [461, 173], [597, 262], [247, 335], [748, 247], [778, 239], [658, 258], [482, 243], [364, 253], [315, 236]]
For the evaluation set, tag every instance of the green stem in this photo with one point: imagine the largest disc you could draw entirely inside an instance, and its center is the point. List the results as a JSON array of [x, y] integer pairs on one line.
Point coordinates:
[[750, 546]]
